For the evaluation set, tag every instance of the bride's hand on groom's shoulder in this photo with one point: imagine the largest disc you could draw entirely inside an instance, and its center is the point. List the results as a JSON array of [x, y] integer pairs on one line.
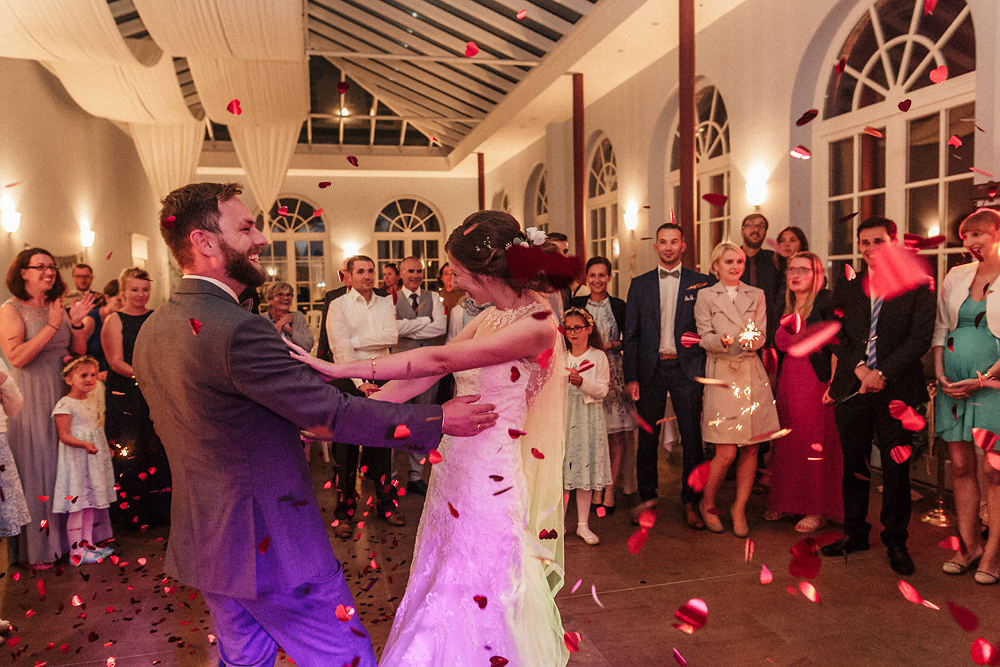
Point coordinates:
[[463, 417]]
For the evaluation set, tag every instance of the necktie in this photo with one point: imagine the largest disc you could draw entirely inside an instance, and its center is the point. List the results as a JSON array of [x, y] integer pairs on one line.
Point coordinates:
[[872, 335], [414, 302], [676, 273]]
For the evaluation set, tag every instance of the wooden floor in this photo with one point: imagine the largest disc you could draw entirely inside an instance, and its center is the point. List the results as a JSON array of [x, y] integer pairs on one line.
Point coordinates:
[[124, 612]]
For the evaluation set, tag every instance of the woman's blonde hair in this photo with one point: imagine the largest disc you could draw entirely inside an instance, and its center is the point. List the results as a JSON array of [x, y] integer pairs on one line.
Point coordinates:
[[128, 274], [819, 279], [719, 250], [986, 217]]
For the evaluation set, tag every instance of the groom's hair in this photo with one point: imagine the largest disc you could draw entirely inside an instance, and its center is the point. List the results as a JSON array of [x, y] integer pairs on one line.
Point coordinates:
[[193, 206]]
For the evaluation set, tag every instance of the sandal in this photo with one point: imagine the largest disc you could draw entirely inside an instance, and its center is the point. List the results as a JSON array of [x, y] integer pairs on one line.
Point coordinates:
[[810, 523], [774, 515]]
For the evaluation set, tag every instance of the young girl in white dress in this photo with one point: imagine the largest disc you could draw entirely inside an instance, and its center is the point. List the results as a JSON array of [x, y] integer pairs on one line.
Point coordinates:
[[477, 593], [84, 476], [587, 463]]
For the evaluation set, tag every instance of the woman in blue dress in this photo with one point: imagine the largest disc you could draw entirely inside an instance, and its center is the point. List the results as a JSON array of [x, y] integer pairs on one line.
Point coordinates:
[[966, 363]]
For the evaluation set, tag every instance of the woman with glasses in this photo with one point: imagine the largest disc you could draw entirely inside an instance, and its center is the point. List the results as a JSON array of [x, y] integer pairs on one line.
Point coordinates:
[[289, 324], [37, 333], [806, 465]]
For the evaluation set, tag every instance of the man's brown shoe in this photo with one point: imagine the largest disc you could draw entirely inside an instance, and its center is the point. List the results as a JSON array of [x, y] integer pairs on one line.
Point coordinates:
[[693, 517], [395, 519], [344, 530]]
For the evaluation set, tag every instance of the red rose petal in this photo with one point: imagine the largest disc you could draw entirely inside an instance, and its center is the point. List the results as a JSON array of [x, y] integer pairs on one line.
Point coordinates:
[[904, 106], [283, 210], [643, 424], [545, 357], [498, 661], [715, 199], [900, 454], [514, 433], [748, 550], [264, 544], [939, 74], [849, 272], [234, 108], [353, 160], [342, 87], [805, 566], [992, 192], [694, 613], [955, 141], [168, 222], [689, 339], [800, 153], [807, 117], [600, 511], [979, 318], [402, 432], [953, 543], [983, 653], [434, 456], [480, 600], [521, 14], [515, 374], [537, 454], [809, 591], [318, 212], [929, 6], [951, 344], [572, 640], [454, 512], [875, 133], [324, 184], [840, 66], [471, 49], [699, 476], [909, 592], [984, 439], [10, 185], [791, 322], [195, 325], [981, 172], [109, 254], [770, 359], [965, 618], [43, 498], [344, 614]]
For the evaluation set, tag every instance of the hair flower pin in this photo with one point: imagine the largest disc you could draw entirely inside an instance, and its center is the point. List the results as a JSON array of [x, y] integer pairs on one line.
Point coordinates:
[[535, 236]]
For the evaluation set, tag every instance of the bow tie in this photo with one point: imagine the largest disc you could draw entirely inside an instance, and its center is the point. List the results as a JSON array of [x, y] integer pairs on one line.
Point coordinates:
[[676, 273]]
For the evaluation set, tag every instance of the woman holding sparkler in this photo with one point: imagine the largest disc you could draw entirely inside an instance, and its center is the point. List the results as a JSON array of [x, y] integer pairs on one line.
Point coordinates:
[[739, 411]]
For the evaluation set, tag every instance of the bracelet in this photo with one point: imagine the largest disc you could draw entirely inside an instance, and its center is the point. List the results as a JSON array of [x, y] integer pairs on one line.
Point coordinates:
[[49, 324], [373, 370], [73, 326]]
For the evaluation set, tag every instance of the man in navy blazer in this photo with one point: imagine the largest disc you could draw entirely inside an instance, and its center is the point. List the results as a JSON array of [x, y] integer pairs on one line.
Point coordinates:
[[228, 402], [659, 303]]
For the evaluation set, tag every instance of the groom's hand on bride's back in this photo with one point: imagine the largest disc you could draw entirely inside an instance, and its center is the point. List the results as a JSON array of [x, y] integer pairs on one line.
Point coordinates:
[[464, 417]]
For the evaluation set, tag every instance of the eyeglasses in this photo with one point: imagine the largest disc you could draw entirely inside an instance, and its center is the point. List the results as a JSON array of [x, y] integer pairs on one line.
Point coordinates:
[[42, 268], [282, 294], [755, 225], [799, 271], [574, 329]]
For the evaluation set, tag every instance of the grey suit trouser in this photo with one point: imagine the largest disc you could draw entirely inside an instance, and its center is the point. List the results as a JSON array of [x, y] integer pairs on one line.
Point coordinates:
[[302, 621]]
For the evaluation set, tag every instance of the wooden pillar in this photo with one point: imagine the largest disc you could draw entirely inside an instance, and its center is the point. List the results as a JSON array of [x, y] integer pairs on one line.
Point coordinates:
[[686, 128], [482, 181], [579, 168]]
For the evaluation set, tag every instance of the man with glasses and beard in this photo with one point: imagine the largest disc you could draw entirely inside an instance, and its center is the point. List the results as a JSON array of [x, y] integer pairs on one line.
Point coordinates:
[[761, 271], [228, 401]]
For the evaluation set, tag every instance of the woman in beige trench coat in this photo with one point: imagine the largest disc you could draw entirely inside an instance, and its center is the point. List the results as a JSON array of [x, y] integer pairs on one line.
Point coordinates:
[[738, 411]]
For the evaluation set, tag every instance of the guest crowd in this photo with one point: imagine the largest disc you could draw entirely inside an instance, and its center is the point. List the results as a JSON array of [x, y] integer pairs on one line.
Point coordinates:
[[729, 358]]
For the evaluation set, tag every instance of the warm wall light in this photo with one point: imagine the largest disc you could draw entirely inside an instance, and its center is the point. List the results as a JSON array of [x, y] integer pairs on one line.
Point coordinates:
[[11, 219], [351, 249], [87, 238], [631, 216], [757, 184]]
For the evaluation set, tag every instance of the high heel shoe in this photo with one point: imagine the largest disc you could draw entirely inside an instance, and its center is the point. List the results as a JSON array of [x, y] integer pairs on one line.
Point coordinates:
[[711, 520]]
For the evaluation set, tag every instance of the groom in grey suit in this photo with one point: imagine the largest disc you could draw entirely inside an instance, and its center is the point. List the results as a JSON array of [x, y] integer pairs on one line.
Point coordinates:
[[228, 402]]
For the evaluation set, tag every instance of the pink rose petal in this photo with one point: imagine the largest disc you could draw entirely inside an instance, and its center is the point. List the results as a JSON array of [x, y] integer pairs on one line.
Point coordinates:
[[791, 322], [981, 172], [234, 108], [748, 550], [694, 613], [939, 74], [637, 539], [984, 439], [471, 49], [955, 141], [952, 543], [896, 270], [800, 153], [982, 652], [900, 454], [283, 210], [679, 658], [813, 338], [809, 591], [765, 575], [699, 476], [521, 14], [909, 592], [689, 339]]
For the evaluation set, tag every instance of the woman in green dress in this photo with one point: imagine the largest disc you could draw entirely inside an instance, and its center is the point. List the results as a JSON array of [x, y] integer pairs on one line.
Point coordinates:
[[966, 363]]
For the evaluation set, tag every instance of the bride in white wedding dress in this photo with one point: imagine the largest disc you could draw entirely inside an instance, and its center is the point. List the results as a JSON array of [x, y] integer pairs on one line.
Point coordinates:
[[478, 594]]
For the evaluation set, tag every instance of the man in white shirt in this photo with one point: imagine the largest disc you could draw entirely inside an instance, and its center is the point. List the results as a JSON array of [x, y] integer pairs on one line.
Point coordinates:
[[422, 323], [362, 325]]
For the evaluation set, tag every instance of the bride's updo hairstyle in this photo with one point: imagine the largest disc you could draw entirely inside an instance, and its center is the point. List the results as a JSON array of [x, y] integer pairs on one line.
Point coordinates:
[[481, 242]]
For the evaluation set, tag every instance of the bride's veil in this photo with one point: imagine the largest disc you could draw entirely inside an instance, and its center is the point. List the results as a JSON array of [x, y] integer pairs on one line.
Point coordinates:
[[545, 431]]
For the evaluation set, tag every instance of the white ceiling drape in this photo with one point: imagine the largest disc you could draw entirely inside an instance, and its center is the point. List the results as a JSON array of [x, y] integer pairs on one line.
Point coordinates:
[[265, 151], [169, 153]]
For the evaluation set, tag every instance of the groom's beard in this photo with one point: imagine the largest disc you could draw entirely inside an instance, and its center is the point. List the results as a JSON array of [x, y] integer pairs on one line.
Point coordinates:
[[239, 267]]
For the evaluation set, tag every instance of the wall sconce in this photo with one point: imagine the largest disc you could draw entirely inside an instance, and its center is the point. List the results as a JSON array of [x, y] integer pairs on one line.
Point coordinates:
[[11, 219], [87, 238], [756, 192], [631, 216], [351, 248]]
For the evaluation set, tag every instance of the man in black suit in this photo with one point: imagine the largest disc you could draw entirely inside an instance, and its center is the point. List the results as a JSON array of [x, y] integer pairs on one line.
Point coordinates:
[[659, 309], [878, 361], [761, 271]]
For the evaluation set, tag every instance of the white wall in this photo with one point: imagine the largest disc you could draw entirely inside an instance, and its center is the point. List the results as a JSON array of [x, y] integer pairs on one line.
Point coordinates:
[[72, 165]]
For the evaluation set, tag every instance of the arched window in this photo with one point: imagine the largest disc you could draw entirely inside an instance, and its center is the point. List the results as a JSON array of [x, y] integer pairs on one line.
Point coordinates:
[[406, 227], [501, 201], [896, 143], [541, 204], [712, 164], [297, 252], [602, 208]]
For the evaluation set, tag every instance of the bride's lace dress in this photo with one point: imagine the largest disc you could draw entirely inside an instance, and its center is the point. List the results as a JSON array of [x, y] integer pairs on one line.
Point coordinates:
[[476, 590]]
